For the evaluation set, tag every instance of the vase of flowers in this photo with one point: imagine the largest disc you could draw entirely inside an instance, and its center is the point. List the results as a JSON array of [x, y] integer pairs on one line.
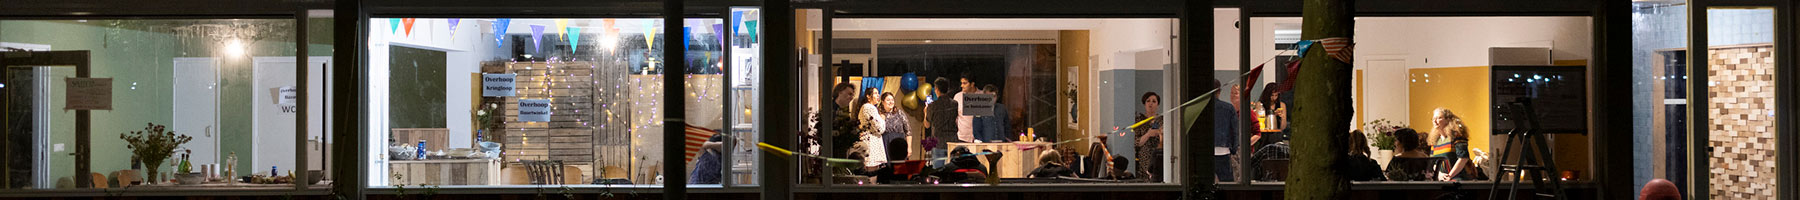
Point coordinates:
[[486, 121], [154, 145], [1381, 136]]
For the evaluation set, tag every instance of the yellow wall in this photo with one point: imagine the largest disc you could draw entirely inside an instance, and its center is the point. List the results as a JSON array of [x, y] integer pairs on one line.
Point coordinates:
[[1463, 90], [1072, 50]]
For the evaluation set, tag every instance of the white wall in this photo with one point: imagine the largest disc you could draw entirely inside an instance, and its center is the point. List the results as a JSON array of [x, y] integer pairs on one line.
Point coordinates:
[[1430, 42]]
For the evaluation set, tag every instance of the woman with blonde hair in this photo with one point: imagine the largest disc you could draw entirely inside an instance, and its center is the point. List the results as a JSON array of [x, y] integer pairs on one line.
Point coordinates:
[[1450, 139]]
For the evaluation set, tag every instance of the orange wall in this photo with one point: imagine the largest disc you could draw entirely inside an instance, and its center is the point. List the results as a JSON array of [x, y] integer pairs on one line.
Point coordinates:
[[1463, 90]]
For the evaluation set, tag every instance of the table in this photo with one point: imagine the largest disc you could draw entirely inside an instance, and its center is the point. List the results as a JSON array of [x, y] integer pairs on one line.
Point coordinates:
[[445, 172], [1015, 162]]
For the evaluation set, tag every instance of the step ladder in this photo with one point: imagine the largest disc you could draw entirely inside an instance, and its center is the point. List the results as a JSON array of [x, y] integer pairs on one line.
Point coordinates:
[[1536, 165]]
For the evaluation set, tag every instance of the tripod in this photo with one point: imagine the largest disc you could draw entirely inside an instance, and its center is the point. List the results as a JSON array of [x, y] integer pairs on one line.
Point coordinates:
[[1536, 164]]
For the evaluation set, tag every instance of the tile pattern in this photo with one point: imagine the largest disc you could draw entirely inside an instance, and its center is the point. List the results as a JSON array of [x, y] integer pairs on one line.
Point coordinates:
[[1742, 95]]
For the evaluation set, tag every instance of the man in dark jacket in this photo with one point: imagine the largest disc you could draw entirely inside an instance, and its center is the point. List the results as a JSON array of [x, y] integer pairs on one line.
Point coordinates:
[[940, 119]]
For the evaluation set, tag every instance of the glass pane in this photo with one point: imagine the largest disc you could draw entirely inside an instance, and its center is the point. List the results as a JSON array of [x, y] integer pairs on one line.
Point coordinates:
[[1035, 95], [1659, 92], [485, 101], [1741, 103], [706, 101], [745, 69], [1228, 128], [224, 86], [1430, 94]]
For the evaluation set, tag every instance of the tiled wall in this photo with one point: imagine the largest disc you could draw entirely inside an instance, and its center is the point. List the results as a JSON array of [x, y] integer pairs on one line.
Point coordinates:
[[1742, 108], [1653, 27]]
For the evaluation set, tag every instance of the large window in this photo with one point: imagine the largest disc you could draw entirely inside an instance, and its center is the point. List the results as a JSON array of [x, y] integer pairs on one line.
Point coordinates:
[[538, 101], [1432, 95], [204, 103], [921, 101]]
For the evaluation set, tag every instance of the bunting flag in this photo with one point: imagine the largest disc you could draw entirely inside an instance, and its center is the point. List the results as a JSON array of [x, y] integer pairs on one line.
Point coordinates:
[[561, 25], [537, 37], [650, 35], [737, 20], [1304, 45], [408, 22], [1249, 80], [453, 22], [751, 26], [393, 25], [574, 38], [719, 30], [1338, 48], [500, 31], [686, 35], [1287, 80]]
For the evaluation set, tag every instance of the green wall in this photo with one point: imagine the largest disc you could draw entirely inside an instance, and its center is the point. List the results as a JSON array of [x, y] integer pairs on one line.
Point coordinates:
[[142, 51]]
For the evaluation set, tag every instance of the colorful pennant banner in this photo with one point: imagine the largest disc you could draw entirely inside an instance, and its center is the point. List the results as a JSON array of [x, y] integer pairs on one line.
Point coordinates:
[[500, 31], [537, 37]]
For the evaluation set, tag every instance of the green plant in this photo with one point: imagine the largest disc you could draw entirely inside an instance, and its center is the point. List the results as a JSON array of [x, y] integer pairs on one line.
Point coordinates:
[[153, 145], [1381, 133], [485, 121]]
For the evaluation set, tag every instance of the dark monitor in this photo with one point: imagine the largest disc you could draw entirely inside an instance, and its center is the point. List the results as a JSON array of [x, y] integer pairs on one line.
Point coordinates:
[[1557, 96]]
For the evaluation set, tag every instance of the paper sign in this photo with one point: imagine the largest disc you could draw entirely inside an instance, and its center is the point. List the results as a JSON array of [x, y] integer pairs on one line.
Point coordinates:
[[88, 94], [497, 85], [978, 104], [287, 95], [534, 110]]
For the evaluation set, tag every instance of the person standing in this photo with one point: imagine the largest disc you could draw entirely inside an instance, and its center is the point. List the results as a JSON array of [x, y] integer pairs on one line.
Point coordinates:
[[965, 124], [940, 118], [1149, 139], [1450, 139], [873, 124], [845, 126], [896, 129], [993, 128], [1225, 133]]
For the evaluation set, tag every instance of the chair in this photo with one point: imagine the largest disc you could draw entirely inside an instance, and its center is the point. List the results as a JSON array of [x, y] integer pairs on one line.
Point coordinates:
[[1414, 169], [99, 179], [127, 177], [544, 172], [1275, 170]]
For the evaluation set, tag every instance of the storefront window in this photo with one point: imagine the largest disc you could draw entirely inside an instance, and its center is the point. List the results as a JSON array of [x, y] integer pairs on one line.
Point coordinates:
[[500, 101], [216, 101], [1432, 95], [924, 101], [1659, 92]]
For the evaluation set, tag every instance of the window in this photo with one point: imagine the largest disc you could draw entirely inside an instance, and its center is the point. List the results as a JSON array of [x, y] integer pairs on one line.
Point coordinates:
[[1414, 72], [541, 101], [926, 101], [226, 94]]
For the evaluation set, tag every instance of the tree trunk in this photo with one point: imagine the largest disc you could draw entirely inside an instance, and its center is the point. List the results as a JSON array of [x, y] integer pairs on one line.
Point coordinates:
[[1322, 109]]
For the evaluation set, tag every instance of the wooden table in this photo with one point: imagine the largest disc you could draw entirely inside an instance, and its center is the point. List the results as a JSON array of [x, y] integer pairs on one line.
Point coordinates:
[[445, 172], [1015, 162]]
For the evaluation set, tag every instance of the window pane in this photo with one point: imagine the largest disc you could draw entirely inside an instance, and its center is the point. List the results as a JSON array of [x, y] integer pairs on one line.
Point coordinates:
[[226, 85], [1659, 92], [1741, 102], [745, 69], [1012, 89], [525, 101]]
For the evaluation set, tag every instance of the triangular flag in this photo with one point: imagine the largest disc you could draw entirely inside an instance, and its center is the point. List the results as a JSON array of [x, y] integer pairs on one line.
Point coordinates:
[[393, 25], [408, 22], [574, 38], [650, 35], [719, 30], [1249, 79], [751, 26], [453, 22], [1338, 48], [500, 31], [561, 24], [1190, 111], [686, 35], [1287, 82], [1304, 45], [737, 20], [537, 37]]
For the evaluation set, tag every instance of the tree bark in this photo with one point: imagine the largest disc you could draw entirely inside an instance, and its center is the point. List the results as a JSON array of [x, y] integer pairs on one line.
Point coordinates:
[[1322, 109]]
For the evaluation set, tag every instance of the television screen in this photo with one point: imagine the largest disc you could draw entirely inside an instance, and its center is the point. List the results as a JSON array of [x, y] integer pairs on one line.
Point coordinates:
[[1556, 95]]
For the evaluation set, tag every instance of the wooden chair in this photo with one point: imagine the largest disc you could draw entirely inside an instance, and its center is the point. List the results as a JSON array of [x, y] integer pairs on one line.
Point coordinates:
[[544, 172], [127, 177], [99, 180]]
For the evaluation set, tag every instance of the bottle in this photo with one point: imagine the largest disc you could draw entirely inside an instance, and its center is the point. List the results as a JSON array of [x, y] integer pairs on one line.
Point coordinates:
[[272, 171], [421, 150]]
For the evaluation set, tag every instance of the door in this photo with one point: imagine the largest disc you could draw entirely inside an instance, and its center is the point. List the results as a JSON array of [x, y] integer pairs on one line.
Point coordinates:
[[274, 114], [196, 109]]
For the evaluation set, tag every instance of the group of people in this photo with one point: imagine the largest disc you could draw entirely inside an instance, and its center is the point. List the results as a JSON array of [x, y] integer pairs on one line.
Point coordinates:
[[1442, 154], [870, 126]]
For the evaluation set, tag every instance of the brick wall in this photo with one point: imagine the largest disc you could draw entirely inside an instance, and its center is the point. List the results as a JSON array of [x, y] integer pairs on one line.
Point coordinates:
[[1742, 121]]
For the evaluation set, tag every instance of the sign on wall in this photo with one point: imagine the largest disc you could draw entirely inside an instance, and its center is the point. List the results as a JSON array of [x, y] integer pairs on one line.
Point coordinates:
[[498, 85], [534, 110], [88, 94], [978, 104]]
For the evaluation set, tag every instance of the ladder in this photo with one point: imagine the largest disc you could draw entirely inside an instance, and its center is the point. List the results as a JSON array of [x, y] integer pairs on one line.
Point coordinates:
[[1536, 164]]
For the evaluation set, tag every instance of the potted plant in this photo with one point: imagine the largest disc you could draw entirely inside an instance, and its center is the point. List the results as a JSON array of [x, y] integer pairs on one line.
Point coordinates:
[[1381, 136], [153, 145], [184, 172]]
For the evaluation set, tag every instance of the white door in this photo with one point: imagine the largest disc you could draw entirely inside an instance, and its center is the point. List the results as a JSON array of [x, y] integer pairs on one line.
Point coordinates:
[[1385, 82], [273, 121], [196, 106]]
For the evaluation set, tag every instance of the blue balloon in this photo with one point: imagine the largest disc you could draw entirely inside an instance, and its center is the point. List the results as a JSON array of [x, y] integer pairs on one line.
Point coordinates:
[[909, 82]]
